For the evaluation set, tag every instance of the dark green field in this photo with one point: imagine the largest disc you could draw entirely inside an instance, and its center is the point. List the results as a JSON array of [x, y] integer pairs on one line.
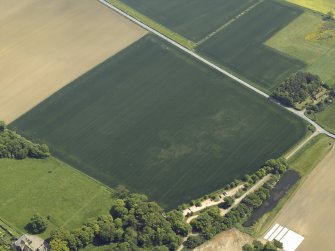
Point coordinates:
[[193, 19], [160, 123], [240, 45]]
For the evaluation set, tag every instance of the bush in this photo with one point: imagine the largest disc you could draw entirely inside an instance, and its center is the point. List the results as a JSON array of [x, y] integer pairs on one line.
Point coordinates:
[[38, 224], [276, 166], [215, 197], [194, 241], [258, 246], [2, 126], [269, 246], [198, 203], [278, 244], [239, 193], [248, 247], [329, 16], [58, 245], [229, 201]]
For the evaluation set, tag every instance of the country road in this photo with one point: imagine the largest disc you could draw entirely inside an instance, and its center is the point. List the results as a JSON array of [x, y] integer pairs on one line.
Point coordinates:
[[214, 66], [223, 212]]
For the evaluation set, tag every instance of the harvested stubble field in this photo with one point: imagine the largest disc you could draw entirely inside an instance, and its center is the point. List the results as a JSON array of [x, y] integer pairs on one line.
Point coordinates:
[[153, 119], [193, 19], [47, 44], [240, 46], [310, 212]]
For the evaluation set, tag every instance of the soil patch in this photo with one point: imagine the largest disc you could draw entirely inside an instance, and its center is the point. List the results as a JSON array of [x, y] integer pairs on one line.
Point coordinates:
[[232, 240]]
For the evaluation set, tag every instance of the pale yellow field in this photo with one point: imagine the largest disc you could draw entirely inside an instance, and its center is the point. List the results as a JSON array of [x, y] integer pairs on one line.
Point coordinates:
[[323, 6], [230, 240], [311, 210], [46, 44]]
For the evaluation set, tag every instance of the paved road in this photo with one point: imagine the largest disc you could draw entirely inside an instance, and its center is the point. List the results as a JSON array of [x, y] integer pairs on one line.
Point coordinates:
[[212, 65]]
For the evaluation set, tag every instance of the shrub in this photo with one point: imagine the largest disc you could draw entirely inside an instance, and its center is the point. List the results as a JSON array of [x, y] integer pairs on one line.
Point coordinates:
[[198, 203], [278, 244], [2, 126], [194, 241], [38, 224], [229, 201]]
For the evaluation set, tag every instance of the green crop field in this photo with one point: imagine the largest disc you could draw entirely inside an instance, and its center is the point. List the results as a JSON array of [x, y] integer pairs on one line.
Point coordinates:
[[297, 40], [317, 54], [327, 118], [240, 46], [323, 6], [50, 188], [193, 19], [153, 119]]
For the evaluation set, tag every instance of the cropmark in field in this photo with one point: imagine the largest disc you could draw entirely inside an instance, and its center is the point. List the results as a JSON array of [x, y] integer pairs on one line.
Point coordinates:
[[153, 119], [193, 19], [240, 47]]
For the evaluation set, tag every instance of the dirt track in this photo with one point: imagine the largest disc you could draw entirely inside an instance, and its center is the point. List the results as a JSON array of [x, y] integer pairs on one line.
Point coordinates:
[[46, 44], [311, 211]]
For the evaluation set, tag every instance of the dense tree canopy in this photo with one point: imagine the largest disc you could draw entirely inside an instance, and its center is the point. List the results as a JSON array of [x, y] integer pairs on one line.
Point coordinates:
[[297, 88], [37, 224], [15, 146], [134, 223]]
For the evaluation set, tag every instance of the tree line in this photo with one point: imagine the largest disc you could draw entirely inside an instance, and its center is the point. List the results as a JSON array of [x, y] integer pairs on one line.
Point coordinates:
[[14, 146], [210, 222], [259, 246], [134, 223]]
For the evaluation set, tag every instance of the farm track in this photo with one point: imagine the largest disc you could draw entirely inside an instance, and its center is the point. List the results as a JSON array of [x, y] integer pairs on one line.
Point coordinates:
[[300, 114], [229, 22], [224, 211]]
